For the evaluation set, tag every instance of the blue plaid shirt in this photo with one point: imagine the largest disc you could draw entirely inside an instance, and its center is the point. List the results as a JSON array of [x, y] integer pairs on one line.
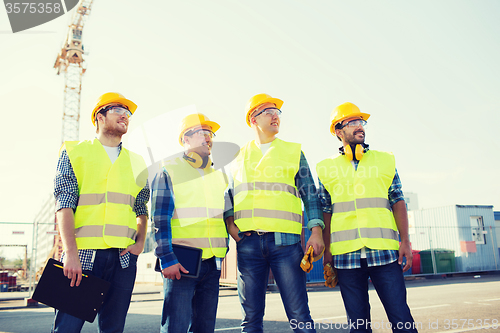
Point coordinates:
[[162, 210], [305, 185], [373, 257], [67, 194]]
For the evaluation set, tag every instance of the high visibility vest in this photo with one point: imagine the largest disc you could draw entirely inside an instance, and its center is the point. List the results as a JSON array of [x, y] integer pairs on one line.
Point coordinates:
[[362, 215], [265, 195], [199, 206], [104, 217]]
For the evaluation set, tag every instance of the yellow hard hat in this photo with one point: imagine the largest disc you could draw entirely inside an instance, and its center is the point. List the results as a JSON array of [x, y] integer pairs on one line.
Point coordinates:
[[344, 111], [258, 100], [195, 119], [112, 97]]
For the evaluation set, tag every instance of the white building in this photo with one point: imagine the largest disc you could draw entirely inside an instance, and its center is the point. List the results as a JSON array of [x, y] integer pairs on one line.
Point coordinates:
[[411, 200]]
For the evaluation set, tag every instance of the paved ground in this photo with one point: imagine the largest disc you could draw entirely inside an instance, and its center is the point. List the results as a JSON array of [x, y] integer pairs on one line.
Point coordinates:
[[16, 300], [447, 305]]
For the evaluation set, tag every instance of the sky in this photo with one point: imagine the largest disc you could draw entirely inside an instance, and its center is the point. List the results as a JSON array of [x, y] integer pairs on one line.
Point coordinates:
[[426, 71]]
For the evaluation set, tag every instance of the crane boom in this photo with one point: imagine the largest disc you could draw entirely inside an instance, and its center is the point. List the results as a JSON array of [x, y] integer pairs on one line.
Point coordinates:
[[70, 61]]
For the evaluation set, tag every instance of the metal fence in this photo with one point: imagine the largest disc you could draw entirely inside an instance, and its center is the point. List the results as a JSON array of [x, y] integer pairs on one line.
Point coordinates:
[[442, 250], [15, 243], [436, 250]]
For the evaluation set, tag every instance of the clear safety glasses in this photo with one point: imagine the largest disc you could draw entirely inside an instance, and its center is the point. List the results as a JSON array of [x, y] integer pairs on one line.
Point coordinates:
[[354, 123], [203, 133], [119, 110], [269, 112]]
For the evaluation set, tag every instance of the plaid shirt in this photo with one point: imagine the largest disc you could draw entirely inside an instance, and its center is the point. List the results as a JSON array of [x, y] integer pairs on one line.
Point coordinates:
[[67, 194], [162, 210], [373, 257], [305, 185]]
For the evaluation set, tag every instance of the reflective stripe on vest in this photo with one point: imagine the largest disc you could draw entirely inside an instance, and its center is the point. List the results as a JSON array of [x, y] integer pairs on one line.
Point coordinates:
[[265, 195], [267, 187], [352, 234], [199, 206], [349, 206], [104, 217], [198, 212], [99, 198], [268, 213], [362, 215], [111, 230], [202, 242]]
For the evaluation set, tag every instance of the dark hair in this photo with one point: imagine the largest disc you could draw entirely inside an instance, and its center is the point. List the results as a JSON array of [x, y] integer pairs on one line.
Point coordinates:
[[338, 126], [103, 112]]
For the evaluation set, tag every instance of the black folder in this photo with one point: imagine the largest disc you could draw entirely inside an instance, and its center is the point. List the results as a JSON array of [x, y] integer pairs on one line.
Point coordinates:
[[83, 301], [189, 257]]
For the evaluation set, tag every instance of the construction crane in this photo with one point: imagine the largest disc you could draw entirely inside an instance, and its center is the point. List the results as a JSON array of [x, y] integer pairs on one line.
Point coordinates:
[[70, 61]]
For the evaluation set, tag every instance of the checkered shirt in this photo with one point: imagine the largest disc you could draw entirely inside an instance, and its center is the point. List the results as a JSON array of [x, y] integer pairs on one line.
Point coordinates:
[[373, 257], [67, 194], [307, 189], [162, 210]]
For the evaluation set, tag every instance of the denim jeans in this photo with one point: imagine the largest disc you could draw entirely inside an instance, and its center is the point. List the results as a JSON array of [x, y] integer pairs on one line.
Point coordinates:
[[256, 254], [191, 303], [111, 316], [389, 283]]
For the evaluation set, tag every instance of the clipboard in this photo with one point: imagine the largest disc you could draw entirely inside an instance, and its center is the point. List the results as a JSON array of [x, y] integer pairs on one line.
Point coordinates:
[[82, 302], [189, 257]]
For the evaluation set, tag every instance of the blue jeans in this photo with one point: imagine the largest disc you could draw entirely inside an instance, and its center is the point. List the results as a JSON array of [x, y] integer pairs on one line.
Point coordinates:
[[111, 316], [256, 254], [389, 283], [191, 303]]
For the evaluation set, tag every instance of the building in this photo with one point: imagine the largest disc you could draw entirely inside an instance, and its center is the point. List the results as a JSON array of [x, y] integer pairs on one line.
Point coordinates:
[[411, 200], [497, 227], [458, 238], [45, 234]]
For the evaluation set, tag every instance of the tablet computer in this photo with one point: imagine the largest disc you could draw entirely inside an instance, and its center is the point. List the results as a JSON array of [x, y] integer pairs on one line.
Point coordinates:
[[189, 257]]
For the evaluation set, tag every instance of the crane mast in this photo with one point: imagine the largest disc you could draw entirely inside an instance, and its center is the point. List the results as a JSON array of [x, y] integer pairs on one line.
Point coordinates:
[[70, 61]]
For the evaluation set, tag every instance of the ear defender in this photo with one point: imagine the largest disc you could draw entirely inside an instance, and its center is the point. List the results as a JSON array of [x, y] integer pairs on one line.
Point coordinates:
[[196, 161], [358, 152]]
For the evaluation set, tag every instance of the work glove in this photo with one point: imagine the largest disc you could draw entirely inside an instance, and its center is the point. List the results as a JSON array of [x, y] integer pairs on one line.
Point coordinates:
[[307, 261], [330, 274]]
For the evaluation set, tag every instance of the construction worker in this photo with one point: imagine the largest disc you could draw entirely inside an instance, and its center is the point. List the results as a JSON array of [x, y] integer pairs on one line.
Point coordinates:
[[101, 193], [363, 210], [187, 209], [270, 177]]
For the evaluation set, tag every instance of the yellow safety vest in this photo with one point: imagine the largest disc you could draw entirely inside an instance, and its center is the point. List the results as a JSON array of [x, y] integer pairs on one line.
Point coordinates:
[[265, 195], [362, 215], [199, 206], [104, 217]]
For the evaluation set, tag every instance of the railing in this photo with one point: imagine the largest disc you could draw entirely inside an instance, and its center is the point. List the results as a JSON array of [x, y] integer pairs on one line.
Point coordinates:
[[442, 250]]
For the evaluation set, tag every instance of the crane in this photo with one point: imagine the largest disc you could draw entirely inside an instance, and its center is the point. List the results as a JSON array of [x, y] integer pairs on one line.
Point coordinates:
[[70, 61]]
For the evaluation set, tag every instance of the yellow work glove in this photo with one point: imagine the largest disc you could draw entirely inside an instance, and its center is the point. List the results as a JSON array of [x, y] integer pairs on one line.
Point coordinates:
[[307, 261], [330, 275]]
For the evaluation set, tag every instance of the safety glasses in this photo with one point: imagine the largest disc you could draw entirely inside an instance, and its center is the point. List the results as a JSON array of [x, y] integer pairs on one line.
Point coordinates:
[[269, 112], [354, 123], [119, 110], [203, 133]]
